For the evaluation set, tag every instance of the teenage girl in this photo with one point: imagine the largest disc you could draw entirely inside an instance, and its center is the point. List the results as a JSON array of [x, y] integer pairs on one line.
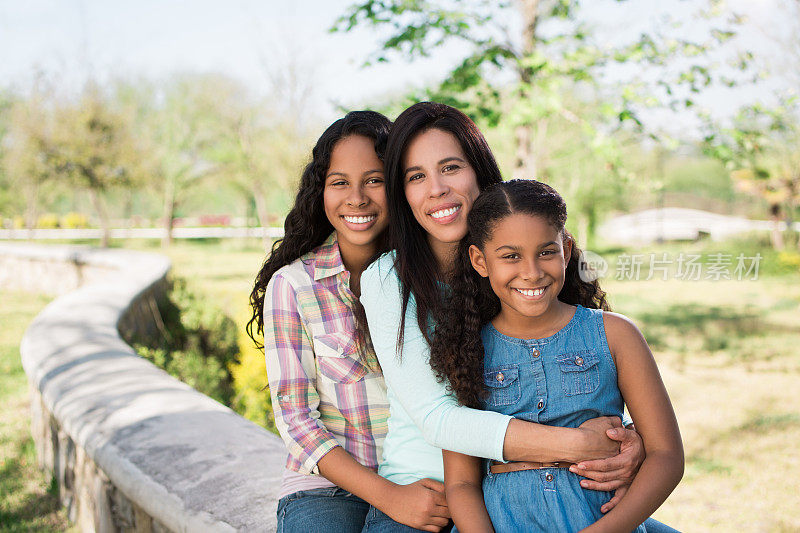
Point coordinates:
[[523, 335], [328, 393]]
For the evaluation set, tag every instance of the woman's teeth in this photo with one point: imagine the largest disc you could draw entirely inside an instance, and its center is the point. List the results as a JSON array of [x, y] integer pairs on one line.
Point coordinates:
[[360, 220], [531, 292], [445, 212]]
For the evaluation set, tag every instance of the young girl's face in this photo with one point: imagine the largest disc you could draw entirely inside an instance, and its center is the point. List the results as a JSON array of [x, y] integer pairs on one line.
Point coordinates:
[[525, 260], [355, 192]]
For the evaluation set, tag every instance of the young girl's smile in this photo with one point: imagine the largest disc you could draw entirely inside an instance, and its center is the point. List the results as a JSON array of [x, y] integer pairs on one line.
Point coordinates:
[[525, 260]]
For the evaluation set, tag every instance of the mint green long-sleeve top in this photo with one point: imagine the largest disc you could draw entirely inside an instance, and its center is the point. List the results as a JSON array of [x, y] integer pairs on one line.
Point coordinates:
[[424, 417]]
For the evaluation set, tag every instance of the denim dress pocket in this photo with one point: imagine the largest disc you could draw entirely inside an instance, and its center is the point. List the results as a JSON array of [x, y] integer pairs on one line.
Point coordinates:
[[338, 357], [503, 386], [579, 372]]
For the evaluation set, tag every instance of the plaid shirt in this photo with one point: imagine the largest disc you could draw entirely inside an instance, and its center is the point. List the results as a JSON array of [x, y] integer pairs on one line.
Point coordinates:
[[324, 393]]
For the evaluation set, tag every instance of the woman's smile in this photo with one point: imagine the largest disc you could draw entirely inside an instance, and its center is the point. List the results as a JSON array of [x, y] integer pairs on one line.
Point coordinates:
[[446, 213]]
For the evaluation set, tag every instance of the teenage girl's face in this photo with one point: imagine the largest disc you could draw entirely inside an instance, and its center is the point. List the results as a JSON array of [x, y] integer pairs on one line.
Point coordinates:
[[355, 192], [440, 185], [525, 261]]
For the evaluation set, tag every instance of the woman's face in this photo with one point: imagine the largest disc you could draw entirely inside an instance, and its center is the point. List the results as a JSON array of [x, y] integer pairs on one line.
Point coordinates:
[[440, 186], [355, 192]]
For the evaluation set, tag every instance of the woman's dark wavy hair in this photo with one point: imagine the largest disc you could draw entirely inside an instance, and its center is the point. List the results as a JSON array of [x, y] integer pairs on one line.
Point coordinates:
[[415, 263], [306, 225], [457, 351]]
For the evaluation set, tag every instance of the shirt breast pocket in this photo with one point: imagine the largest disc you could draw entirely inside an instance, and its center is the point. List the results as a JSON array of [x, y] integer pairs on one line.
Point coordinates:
[[338, 357], [503, 386], [579, 372]]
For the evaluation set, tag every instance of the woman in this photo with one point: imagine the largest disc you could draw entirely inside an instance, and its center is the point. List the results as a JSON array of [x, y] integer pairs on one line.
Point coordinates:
[[437, 162], [328, 394]]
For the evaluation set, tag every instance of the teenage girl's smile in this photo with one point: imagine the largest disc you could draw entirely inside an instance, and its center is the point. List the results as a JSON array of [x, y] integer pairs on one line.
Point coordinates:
[[440, 186], [355, 193]]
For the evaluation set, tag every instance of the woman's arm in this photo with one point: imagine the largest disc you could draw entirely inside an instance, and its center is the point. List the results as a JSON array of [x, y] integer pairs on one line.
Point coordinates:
[[290, 360], [647, 399], [462, 481], [443, 423]]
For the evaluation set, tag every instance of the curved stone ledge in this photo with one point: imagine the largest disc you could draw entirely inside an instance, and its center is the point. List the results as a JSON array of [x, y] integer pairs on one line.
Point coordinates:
[[133, 448]]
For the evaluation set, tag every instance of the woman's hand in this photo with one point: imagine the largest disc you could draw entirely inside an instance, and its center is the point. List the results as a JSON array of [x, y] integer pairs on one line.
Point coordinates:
[[421, 505], [615, 473]]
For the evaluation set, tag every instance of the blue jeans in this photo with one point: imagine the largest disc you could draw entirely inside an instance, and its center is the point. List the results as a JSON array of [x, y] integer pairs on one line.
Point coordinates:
[[328, 510], [380, 522], [654, 526]]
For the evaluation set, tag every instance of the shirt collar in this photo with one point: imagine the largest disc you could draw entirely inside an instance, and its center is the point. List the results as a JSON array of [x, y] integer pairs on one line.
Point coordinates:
[[328, 259]]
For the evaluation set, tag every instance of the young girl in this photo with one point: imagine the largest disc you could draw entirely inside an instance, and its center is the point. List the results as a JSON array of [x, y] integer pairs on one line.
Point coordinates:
[[328, 393], [523, 335]]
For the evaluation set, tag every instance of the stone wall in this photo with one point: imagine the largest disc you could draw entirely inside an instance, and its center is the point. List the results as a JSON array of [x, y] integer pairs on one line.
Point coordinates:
[[132, 448]]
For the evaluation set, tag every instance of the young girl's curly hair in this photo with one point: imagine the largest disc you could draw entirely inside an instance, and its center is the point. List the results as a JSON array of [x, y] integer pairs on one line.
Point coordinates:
[[456, 349]]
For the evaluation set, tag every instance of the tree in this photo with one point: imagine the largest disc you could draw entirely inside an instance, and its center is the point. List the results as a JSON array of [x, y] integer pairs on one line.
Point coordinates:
[[178, 126], [521, 78], [760, 149], [28, 133], [91, 146]]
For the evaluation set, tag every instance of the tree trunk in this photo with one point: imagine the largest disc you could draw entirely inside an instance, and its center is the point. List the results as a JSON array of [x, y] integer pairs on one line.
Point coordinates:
[[168, 213], [525, 166], [105, 224], [776, 236], [31, 206], [262, 212]]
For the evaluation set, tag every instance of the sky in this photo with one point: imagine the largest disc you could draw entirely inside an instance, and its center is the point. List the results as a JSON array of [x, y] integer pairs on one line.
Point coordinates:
[[73, 40]]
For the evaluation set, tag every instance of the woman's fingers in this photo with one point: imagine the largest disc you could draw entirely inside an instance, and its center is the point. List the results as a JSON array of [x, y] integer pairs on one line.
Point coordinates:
[[606, 485]]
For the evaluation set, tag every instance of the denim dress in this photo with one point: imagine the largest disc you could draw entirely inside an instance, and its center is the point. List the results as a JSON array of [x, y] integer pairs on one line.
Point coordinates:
[[561, 380]]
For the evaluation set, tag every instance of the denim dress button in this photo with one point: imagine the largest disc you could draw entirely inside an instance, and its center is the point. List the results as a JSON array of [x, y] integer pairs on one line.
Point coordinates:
[[535, 353], [549, 477], [500, 376], [579, 361], [540, 404]]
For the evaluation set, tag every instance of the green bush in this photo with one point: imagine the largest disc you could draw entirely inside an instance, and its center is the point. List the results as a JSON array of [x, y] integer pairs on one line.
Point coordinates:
[[199, 344]]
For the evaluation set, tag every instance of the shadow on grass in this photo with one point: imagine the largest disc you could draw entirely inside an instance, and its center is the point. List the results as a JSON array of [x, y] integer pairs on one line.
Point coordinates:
[[24, 507], [716, 326], [756, 424]]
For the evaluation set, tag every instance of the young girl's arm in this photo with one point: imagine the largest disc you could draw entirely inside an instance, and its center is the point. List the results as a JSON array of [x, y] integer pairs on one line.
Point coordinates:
[[290, 361], [462, 482], [649, 405]]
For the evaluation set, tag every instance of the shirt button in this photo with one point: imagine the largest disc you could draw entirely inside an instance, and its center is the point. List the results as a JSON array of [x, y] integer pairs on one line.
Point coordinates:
[[500, 376], [579, 361], [549, 477], [540, 404], [535, 352]]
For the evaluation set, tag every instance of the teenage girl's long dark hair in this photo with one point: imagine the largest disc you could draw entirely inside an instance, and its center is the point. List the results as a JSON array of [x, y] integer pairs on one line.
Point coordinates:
[[415, 263], [306, 225], [457, 351]]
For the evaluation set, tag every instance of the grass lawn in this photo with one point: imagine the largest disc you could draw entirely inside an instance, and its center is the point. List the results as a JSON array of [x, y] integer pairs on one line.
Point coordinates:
[[28, 499], [727, 351]]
